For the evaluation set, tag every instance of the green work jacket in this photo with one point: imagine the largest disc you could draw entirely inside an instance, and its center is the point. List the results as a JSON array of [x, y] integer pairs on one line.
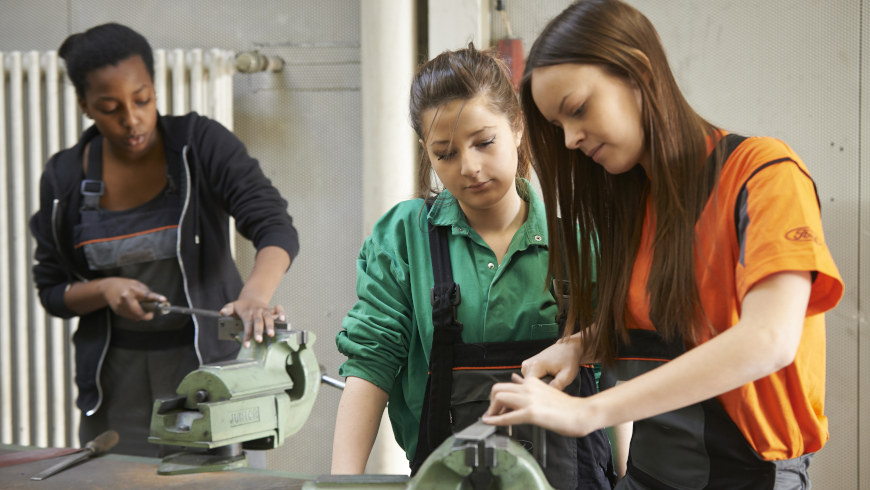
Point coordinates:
[[387, 335]]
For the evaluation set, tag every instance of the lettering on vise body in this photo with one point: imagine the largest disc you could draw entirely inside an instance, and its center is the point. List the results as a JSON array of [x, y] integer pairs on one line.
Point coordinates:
[[246, 416]]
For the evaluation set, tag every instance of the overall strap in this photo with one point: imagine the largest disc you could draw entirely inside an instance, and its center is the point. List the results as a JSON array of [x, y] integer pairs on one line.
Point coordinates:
[[435, 418], [93, 186], [723, 149], [447, 332]]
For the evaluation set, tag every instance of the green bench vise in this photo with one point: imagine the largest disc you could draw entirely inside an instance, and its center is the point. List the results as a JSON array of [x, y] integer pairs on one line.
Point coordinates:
[[252, 402], [479, 457]]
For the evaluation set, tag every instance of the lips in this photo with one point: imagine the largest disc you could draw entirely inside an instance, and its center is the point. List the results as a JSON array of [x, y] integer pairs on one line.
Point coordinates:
[[134, 140], [477, 186], [594, 151]]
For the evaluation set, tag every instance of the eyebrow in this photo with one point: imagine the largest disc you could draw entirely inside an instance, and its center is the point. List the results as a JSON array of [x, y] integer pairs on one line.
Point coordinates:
[[106, 97], [444, 142]]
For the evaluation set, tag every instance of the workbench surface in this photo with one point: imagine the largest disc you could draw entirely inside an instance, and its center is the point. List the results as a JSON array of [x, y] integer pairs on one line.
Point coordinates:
[[112, 471]]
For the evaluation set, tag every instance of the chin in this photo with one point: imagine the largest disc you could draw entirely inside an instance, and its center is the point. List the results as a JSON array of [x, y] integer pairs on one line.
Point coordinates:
[[618, 169]]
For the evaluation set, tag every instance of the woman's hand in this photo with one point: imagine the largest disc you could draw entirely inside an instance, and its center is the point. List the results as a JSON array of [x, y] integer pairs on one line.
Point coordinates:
[[531, 401], [256, 316], [561, 361], [252, 307], [124, 296]]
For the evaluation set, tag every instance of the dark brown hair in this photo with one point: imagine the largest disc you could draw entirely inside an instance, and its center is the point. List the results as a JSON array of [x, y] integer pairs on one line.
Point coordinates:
[[463, 75], [608, 210]]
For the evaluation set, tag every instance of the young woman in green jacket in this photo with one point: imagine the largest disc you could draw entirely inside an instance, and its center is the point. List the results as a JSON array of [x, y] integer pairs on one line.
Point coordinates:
[[469, 123]]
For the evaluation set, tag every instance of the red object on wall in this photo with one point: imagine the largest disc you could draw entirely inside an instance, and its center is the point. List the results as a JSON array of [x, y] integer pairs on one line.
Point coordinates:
[[511, 51]]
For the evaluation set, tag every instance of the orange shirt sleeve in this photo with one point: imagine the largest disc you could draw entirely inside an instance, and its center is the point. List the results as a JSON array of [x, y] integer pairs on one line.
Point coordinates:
[[782, 228]]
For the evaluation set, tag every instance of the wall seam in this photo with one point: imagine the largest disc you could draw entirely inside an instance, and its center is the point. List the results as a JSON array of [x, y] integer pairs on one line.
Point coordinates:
[[860, 222]]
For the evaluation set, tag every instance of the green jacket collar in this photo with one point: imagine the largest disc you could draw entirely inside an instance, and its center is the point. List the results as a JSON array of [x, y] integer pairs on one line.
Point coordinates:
[[447, 212]]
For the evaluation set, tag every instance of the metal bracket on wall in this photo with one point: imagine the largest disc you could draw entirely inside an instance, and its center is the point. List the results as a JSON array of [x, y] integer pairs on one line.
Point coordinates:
[[254, 61]]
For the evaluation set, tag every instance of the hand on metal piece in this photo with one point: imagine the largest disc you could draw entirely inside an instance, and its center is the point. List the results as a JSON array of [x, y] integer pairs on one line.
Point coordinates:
[[561, 361], [256, 316]]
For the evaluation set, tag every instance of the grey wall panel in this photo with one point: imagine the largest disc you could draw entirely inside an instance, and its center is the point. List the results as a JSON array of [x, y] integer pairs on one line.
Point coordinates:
[[863, 341], [316, 165], [227, 24], [305, 125], [32, 25], [526, 19]]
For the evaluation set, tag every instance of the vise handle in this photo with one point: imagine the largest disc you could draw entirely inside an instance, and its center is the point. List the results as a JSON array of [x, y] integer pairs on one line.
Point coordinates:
[[229, 327]]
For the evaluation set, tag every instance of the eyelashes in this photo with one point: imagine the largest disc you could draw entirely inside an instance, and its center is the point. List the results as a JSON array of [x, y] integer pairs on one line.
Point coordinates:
[[486, 143], [113, 109], [451, 154], [446, 156]]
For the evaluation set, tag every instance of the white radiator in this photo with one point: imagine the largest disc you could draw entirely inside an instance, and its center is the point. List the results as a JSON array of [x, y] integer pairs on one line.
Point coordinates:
[[39, 115]]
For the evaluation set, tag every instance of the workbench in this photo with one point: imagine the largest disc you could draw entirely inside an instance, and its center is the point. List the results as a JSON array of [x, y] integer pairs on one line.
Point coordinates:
[[111, 471]]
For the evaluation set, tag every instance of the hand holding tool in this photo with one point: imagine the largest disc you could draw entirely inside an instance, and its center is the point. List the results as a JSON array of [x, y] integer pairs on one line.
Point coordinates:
[[99, 445]]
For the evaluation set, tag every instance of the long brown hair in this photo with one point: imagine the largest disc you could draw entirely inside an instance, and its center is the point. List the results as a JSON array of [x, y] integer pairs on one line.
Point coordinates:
[[463, 75], [608, 210]]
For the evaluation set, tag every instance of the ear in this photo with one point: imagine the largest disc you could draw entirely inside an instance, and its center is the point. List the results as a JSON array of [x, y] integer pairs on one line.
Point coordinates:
[[518, 136], [84, 107], [647, 73]]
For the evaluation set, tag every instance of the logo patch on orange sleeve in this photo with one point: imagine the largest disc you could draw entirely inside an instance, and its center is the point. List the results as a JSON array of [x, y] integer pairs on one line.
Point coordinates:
[[801, 234]]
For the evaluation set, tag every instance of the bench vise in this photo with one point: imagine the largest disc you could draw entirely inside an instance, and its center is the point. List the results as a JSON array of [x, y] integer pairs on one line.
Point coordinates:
[[479, 457], [252, 402]]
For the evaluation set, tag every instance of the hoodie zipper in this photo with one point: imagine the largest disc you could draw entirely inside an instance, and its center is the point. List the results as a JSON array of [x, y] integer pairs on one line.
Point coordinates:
[[178, 251], [100, 364]]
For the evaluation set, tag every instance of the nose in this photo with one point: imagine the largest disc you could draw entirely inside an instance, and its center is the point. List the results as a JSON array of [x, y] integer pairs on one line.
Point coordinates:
[[129, 115], [573, 136], [470, 164]]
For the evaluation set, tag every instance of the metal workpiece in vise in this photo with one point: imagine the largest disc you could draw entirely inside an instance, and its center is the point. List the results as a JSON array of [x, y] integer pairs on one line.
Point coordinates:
[[479, 457], [252, 402]]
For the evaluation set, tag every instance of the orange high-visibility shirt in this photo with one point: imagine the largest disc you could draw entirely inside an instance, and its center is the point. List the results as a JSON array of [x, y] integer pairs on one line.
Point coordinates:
[[766, 190]]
